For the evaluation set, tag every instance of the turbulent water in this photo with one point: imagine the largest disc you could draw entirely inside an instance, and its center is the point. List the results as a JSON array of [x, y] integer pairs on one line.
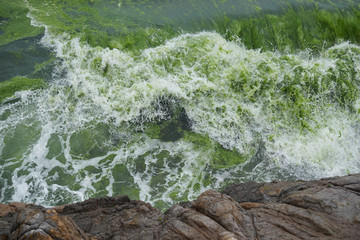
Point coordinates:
[[160, 100]]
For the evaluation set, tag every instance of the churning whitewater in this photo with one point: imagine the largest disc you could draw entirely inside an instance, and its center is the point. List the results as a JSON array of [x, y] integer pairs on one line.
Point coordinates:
[[197, 111]]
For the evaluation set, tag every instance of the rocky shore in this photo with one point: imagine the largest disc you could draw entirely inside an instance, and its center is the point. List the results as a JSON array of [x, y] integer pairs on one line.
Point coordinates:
[[322, 209]]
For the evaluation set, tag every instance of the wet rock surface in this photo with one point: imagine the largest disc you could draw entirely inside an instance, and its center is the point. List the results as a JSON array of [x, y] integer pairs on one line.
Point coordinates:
[[322, 209]]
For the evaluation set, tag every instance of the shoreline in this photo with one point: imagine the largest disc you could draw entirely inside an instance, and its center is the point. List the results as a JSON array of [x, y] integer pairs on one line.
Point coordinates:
[[321, 209]]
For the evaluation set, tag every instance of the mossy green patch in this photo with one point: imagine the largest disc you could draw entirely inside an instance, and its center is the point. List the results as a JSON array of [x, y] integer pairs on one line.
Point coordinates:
[[107, 159], [5, 115], [198, 140], [17, 143], [140, 162], [54, 147], [122, 174], [8, 192], [158, 181], [170, 133], [131, 190], [225, 158], [159, 175], [91, 142], [14, 24], [23, 172], [161, 157], [100, 23], [25, 57], [63, 177], [9, 170], [101, 185], [175, 124], [298, 28], [93, 170], [153, 130], [40, 66], [177, 195], [9, 87], [178, 127], [136, 25], [124, 182], [295, 97]]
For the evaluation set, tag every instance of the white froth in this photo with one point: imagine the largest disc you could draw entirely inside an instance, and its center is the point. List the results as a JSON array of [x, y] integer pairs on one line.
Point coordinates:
[[197, 70]]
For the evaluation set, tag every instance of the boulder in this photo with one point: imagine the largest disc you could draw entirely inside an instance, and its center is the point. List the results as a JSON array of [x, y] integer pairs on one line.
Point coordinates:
[[323, 209], [44, 224]]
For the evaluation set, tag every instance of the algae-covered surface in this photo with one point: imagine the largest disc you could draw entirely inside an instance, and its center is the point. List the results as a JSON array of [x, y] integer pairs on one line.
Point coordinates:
[[10, 87], [161, 100], [14, 23]]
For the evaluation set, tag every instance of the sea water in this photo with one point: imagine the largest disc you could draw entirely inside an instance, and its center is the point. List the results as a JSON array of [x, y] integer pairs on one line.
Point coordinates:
[[161, 100]]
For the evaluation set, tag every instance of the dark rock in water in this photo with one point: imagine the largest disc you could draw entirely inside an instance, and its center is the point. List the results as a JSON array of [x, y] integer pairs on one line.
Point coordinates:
[[323, 209]]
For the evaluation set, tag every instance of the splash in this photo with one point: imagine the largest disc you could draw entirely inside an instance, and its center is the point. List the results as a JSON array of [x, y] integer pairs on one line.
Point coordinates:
[[164, 123]]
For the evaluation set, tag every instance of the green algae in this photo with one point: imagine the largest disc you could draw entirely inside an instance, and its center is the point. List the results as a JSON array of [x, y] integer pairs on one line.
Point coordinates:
[[93, 170], [270, 25], [14, 23], [178, 196], [122, 174], [153, 130], [170, 133], [219, 157], [5, 115], [225, 158], [55, 148], [42, 65], [62, 176], [9, 87], [304, 92], [65, 181], [16, 143], [296, 29], [174, 126], [124, 182], [25, 57], [107, 160], [178, 128], [100, 187], [90, 142], [131, 190]]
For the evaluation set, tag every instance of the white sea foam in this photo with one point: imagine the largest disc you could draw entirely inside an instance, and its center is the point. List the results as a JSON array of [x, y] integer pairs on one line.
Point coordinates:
[[199, 73]]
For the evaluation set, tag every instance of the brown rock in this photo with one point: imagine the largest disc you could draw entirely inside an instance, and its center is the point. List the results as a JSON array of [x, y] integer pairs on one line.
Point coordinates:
[[115, 218], [283, 221], [6, 209], [6, 214], [323, 209], [190, 224], [245, 192], [250, 205], [335, 201], [225, 211], [35, 223]]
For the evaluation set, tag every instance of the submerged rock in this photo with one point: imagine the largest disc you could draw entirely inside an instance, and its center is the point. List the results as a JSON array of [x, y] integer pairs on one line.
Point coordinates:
[[322, 209]]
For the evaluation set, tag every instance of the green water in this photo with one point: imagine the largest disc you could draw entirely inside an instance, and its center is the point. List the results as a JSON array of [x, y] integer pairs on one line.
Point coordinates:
[[161, 100]]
